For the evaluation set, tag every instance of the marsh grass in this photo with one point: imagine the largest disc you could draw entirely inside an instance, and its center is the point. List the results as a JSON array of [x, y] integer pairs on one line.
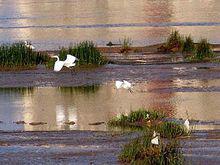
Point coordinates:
[[126, 44], [141, 151], [86, 52], [175, 42], [203, 50], [135, 118], [171, 130], [188, 45], [17, 55]]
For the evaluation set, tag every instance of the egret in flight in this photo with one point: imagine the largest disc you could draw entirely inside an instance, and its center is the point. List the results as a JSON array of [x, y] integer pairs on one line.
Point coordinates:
[[29, 45], [123, 84], [69, 62]]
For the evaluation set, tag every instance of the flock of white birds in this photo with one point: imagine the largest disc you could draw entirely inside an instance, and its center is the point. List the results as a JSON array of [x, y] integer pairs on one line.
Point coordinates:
[[70, 62]]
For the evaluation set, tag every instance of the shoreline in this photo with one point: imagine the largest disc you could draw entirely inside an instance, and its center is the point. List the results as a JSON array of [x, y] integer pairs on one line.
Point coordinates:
[[138, 49]]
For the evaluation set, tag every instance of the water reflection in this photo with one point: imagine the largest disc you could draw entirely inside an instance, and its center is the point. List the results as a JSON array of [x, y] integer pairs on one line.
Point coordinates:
[[145, 21], [85, 105]]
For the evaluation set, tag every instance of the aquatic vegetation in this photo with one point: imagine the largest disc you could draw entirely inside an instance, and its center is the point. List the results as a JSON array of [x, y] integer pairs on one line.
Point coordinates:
[[86, 52], [135, 118], [171, 130], [174, 42], [17, 55], [203, 50], [142, 151], [188, 45], [126, 44], [153, 126]]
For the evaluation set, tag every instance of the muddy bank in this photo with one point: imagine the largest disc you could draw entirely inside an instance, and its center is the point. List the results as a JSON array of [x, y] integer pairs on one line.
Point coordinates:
[[108, 73], [87, 147]]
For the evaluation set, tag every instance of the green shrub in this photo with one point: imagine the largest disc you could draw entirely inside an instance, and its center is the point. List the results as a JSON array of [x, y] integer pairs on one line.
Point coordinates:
[[188, 45], [175, 41], [171, 130], [126, 44], [141, 151], [18, 55], [86, 52], [135, 118], [203, 50]]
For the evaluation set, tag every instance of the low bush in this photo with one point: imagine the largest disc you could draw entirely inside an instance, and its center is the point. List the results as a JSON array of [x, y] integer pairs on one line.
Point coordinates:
[[18, 55], [142, 151], [203, 50]]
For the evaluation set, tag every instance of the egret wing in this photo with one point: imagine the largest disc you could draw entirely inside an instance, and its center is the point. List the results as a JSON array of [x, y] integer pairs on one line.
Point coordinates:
[[126, 84], [58, 66], [118, 84], [155, 140], [70, 59]]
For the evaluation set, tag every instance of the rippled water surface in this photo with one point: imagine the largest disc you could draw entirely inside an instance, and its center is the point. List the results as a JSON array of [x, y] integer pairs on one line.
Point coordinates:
[[51, 23], [90, 104]]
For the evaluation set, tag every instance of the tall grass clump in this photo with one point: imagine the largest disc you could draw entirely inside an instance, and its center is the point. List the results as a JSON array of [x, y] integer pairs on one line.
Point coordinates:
[[203, 50], [135, 118], [142, 151], [171, 130], [126, 44], [17, 55], [86, 52], [175, 42], [188, 45]]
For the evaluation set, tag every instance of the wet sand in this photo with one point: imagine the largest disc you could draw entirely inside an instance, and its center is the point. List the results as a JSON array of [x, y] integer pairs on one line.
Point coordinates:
[[89, 147]]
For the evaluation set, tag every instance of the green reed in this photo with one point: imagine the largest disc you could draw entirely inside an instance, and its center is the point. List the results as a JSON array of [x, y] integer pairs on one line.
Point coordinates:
[[85, 51], [18, 55]]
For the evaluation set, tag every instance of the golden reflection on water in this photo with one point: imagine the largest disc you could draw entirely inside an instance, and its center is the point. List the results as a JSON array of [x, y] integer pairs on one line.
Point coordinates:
[[28, 17], [86, 105]]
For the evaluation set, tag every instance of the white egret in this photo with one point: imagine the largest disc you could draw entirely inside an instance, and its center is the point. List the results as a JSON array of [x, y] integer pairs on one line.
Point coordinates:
[[70, 61], [186, 124], [58, 64], [123, 84], [118, 84], [155, 139], [29, 45]]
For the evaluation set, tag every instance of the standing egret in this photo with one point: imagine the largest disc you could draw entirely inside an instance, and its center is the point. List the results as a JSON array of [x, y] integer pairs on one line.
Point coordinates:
[[70, 61], [29, 45], [58, 64], [123, 84], [186, 124], [155, 139]]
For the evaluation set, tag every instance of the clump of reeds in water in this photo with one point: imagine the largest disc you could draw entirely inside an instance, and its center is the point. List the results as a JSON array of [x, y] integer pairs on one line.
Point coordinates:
[[86, 52], [18, 55], [142, 151], [203, 50]]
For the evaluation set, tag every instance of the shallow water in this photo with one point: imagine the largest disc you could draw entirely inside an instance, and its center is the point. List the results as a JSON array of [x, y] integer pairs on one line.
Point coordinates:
[[89, 104], [51, 23]]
